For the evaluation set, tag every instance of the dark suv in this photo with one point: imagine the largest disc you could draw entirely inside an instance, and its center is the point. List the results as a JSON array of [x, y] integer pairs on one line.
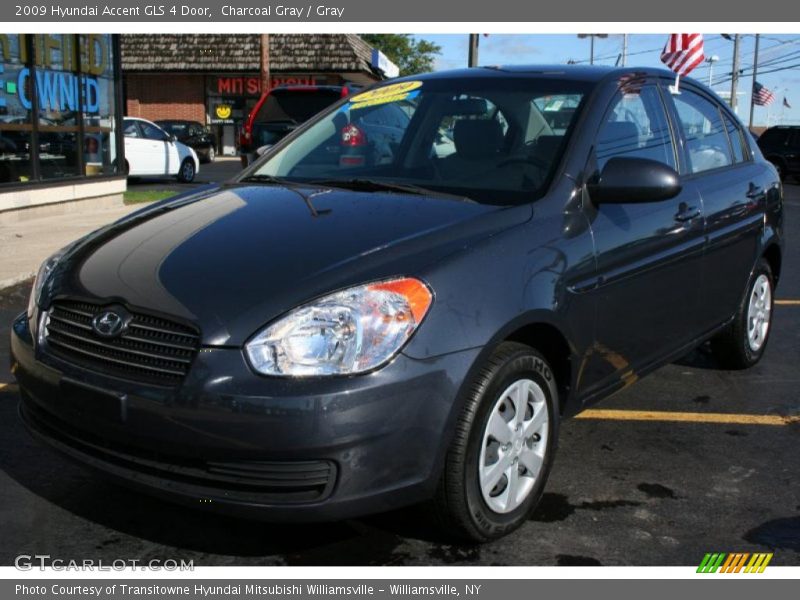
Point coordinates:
[[280, 111], [781, 146], [349, 327]]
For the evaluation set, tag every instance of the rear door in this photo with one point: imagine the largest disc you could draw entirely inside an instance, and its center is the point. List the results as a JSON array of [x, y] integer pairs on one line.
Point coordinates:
[[793, 153], [649, 254], [733, 187]]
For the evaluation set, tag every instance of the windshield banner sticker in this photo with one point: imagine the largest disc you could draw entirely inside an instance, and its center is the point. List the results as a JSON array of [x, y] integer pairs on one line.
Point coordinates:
[[390, 93]]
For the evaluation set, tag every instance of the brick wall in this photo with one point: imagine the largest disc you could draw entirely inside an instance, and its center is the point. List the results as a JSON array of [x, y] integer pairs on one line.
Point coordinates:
[[157, 97]]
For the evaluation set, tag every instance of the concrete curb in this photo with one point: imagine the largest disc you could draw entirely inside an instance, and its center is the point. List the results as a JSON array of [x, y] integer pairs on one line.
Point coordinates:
[[12, 281]]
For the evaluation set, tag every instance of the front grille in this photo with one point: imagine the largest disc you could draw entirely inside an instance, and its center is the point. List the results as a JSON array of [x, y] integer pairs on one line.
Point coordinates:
[[151, 350]]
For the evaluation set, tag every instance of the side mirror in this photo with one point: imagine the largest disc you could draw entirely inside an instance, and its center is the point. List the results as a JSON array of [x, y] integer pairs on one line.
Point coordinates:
[[172, 138], [626, 180]]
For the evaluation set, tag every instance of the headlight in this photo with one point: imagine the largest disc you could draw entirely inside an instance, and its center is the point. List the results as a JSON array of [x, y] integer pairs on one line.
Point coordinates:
[[348, 332], [41, 278]]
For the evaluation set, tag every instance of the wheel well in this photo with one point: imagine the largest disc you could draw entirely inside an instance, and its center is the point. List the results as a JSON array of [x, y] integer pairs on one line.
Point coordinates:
[[773, 256], [548, 340]]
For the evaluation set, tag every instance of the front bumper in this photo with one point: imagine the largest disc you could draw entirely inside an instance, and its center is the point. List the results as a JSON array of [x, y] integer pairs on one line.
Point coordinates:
[[230, 440]]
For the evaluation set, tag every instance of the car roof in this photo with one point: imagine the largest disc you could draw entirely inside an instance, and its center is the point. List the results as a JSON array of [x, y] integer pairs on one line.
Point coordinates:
[[178, 121], [587, 73]]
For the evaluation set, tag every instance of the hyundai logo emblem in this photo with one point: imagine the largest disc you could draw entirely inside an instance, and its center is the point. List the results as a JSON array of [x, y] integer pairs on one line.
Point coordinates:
[[109, 324]]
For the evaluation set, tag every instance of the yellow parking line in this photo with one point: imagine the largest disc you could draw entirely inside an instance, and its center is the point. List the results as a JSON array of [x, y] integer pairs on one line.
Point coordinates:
[[8, 387], [788, 302], [686, 417]]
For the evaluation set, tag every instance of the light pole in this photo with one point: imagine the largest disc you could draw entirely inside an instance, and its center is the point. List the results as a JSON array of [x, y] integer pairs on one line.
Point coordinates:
[[591, 37], [711, 60]]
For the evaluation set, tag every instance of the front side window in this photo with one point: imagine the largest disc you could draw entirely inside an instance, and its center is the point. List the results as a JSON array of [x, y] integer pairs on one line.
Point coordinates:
[[129, 129], [707, 145], [492, 140], [636, 127]]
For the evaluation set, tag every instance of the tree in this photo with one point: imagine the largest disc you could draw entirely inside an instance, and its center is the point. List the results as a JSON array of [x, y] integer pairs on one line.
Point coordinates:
[[411, 55]]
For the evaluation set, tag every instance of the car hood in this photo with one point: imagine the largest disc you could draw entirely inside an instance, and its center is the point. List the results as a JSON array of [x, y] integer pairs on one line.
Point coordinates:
[[233, 258]]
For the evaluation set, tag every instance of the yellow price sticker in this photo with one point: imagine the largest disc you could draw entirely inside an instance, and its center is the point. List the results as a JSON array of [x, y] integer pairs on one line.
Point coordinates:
[[388, 93]]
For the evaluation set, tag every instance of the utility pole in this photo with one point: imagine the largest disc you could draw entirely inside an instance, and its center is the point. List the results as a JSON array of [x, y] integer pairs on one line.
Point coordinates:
[[266, 80], [473, 50], [752, 89], [735, 74], [624, 49]]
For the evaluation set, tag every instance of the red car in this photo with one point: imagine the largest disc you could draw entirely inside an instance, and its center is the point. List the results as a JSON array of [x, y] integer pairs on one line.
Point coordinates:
[[280, 110]]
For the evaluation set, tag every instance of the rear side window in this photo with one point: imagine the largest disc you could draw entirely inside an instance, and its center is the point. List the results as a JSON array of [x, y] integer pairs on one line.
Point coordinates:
[[295, 107], [151, 132], [735, 136], [636, 127], [707, 145]]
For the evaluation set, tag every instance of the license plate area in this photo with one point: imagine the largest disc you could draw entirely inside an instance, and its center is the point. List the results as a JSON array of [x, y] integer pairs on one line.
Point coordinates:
[[84, 400]]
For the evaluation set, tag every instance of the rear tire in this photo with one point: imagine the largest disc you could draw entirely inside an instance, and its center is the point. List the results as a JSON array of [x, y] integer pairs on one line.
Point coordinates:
[[469, 504], [741, 345], [187, 171]]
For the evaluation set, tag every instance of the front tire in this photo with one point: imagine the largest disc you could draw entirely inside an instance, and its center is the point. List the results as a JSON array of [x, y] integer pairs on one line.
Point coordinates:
[[187, 171], [741, 345], [502, 451]]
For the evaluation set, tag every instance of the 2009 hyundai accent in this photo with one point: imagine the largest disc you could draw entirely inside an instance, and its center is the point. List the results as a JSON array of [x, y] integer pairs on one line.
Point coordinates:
[[403, 298]]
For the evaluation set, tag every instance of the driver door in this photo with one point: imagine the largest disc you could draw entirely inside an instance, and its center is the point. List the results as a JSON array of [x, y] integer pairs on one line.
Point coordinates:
[[648, 255]]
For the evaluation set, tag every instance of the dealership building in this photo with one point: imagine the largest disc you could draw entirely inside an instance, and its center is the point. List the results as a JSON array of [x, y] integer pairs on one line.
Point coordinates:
[[60, 111], [216, 79]]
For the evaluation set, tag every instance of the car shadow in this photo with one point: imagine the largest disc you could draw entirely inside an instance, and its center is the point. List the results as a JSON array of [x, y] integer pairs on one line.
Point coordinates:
[[699, 358], [374, 540]]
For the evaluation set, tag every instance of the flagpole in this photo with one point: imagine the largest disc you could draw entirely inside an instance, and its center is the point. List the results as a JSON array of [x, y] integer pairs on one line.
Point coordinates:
[[753, 87]]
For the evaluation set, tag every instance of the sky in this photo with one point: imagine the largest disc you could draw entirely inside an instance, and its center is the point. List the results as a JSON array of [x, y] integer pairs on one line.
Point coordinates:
[[644, 50]]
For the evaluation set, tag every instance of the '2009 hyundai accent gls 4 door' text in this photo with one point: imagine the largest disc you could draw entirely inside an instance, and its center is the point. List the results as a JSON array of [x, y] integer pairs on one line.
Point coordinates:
[[358, 323]]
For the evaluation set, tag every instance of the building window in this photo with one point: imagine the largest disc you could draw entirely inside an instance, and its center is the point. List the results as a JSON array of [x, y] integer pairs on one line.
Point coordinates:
[[16, 129], [58, 113]]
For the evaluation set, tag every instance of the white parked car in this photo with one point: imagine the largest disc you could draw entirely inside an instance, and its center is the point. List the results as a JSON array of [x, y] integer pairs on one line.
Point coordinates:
[[149, 150]]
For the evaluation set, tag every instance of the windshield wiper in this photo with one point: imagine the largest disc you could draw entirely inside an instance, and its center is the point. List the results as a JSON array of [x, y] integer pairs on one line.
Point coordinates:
[[376, 185], [259, 178], [292, 186]]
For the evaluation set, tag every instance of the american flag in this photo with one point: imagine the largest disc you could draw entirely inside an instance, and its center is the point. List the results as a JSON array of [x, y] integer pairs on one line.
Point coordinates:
[[761, 95], [683, 52]]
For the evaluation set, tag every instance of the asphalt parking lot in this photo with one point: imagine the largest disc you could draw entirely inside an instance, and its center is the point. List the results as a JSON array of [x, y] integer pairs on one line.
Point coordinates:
[[629, 487], [222, 169]]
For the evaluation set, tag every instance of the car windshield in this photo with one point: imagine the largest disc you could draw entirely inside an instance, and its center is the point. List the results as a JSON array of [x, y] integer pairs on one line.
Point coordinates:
[[493, 140]]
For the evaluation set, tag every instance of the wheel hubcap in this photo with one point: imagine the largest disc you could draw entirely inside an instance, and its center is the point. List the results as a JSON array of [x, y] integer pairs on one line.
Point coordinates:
[[514, 446], [758, 313]]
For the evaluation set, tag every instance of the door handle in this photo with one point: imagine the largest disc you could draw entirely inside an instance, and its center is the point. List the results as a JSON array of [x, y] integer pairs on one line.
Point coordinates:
[[686, 213], [754, 191]]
